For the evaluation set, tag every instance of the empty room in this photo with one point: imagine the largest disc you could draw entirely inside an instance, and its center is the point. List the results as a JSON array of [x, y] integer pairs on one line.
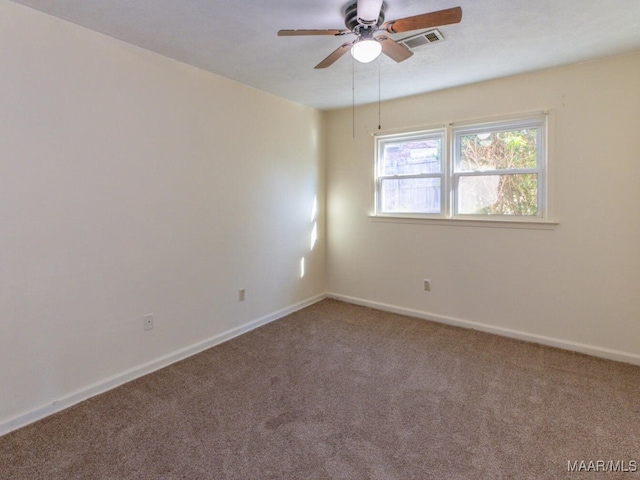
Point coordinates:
[[319, 240]]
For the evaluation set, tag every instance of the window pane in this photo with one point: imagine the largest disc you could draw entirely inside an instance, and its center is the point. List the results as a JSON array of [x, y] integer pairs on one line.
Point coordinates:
[[498, 195], [415, 195], [417, 156], [502, 150]]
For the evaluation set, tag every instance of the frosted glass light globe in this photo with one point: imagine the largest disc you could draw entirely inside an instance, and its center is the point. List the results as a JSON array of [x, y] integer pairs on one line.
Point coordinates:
[[366, 51]]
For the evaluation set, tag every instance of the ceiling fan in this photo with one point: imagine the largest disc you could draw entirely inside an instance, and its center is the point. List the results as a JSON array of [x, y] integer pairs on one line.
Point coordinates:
[[365, 20]]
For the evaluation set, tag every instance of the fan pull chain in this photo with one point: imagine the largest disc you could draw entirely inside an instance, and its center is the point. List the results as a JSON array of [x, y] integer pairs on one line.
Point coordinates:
[[353, 96], [379, 81]]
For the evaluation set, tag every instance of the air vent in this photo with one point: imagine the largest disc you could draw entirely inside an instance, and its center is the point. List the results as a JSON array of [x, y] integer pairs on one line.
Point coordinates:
[[424, 38]]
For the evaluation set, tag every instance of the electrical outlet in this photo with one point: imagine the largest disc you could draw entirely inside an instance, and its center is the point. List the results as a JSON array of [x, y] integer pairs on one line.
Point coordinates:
[[427, 285], [147, 321], [241, 294]]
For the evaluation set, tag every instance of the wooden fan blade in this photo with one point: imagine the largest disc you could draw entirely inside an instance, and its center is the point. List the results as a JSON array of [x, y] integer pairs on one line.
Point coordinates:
[[368, 11], [393, 49], [295, 33], [426, 20], [335, 55]]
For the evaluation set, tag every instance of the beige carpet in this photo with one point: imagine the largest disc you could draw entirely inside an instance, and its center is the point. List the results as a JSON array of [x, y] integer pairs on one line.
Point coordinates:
[[338, 391]]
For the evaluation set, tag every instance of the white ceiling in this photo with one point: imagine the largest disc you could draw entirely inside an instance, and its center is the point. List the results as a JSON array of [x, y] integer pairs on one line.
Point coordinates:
[[237, 39]]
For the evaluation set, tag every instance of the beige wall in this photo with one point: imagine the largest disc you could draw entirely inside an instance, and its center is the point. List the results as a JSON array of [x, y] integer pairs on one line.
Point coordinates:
[[575, 285], [133, 184]]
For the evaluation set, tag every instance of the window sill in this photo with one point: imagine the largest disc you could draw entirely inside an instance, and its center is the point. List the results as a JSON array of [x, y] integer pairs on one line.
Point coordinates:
[[537, 224]]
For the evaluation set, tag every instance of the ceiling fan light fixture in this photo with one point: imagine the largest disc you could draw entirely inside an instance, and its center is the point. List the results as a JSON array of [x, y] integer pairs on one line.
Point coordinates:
[[366, 50]]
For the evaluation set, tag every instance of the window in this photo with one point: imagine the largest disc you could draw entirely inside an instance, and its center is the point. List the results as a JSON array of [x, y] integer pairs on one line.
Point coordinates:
[[477, 171], [410, 173]]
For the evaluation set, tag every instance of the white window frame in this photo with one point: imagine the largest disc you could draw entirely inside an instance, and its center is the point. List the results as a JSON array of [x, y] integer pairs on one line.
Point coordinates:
[[381, 177], [451, 178]]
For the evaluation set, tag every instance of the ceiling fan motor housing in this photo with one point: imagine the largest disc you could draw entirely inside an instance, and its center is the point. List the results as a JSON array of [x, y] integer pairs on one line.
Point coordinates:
[[351, 17]]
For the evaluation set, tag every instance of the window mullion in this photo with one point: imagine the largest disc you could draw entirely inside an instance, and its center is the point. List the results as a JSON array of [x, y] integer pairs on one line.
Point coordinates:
[[409, 176], [448, 190], [482, 173]]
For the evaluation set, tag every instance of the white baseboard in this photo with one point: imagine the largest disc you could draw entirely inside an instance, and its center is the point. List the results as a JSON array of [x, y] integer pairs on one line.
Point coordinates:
[[114, 381], [104, 385], [593, 350]]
